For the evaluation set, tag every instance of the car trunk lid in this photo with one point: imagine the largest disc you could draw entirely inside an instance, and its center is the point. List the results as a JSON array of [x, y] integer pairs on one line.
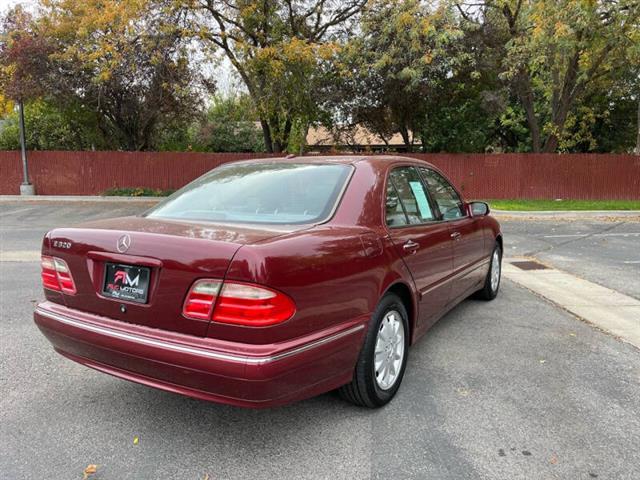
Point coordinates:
[[159, 258]]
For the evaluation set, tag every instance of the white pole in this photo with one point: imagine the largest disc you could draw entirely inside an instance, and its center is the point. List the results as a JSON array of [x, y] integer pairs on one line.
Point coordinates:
[[26, 188]]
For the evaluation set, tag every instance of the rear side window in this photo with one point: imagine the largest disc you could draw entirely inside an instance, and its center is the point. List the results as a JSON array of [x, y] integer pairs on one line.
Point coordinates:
[[394, 212], [273, 193], [445, 196], [411, 193]]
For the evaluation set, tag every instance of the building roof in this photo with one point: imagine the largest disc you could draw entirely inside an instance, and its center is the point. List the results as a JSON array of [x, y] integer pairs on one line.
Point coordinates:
[[356, 136]]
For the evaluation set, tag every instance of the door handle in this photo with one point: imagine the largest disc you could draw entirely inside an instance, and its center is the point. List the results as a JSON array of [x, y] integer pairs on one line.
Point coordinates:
[[411, 246], [456, 235]]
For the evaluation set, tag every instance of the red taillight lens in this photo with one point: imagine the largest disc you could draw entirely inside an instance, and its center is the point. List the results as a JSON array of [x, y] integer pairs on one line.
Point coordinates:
[[49, 276], [56, 275], [244, 304], [237, 303], [201, 299]]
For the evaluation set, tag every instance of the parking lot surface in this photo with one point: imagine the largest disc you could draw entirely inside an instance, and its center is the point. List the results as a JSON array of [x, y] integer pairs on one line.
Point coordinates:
[[511, 389], [604, 252]]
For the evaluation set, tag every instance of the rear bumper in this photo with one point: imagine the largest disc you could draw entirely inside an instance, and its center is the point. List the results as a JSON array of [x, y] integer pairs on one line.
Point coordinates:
[[210, 369]]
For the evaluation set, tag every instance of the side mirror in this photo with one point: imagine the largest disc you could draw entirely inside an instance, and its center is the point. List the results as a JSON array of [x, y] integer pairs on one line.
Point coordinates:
[[479, 209]]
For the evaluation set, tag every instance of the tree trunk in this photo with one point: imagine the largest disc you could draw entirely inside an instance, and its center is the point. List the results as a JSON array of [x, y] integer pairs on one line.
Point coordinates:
[[280, 139], [423, 141], [532, 121], [286, 135], [525, 93], [266, 134], [559, 120], [276, 134], [551, 144], [303, 143], [404, 132], [562, 103]]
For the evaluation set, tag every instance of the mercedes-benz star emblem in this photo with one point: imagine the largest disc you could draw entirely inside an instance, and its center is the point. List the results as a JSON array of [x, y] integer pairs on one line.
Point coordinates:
[[124, 242]]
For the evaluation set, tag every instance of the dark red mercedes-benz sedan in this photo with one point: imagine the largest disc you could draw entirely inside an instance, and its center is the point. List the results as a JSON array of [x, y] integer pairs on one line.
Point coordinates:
[[269, 281]]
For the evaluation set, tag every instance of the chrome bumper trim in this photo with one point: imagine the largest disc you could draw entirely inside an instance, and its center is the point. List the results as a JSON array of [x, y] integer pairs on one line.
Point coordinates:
[[261, 360]]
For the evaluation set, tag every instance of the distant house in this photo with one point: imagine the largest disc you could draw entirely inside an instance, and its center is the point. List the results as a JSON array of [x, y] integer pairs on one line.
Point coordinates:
[[355, 139]]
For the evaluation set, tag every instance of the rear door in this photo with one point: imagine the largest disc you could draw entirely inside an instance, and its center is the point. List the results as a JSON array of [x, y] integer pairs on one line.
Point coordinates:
[[420, 239], [465, 230]]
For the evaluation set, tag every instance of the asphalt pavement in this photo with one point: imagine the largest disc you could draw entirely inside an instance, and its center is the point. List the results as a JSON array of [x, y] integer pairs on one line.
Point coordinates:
[[606, 252], [510, 389]]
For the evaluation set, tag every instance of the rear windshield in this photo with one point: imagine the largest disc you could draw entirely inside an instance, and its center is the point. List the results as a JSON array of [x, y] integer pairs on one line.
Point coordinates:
[[275, 193]]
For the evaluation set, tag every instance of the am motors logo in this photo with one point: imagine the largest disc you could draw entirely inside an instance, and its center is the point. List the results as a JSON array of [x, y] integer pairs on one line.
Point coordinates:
[[123, 284], [122, 277]]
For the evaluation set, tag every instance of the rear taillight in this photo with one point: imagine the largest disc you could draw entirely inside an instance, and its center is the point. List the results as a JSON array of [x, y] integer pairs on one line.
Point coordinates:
[[245, 304], [201, 299], [56, 275], [49, 275], [237, 303]]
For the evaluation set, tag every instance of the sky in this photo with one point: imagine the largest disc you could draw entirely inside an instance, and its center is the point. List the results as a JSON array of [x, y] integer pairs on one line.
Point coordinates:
[[4, 4]]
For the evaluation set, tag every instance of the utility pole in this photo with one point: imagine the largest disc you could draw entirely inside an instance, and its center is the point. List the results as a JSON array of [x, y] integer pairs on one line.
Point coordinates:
[[638, 138], [26, 188]]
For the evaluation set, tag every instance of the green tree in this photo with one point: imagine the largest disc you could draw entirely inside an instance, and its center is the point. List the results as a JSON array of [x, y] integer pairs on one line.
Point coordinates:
[[24, 56], [6, 106], [399, 62], [50, 127], [473, 110], [231, 125], [279, 49], [24, 51], [126, 60], [554, 52]]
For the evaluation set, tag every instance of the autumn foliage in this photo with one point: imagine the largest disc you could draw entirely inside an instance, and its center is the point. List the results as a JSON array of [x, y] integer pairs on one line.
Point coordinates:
[[446, 75]]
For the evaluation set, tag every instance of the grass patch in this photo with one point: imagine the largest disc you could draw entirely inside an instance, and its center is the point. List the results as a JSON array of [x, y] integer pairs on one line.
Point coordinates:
[[137, 192], [531, 205]]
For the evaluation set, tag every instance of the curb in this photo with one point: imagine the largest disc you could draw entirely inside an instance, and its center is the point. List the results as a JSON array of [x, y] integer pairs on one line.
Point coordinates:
[[565, 213], [76, 198], [606, 309]]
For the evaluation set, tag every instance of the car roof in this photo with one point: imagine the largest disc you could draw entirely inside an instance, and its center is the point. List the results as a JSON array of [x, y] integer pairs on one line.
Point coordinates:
[[379, 161]]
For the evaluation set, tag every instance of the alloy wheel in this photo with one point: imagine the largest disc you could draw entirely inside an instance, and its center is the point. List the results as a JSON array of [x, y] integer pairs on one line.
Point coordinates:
[[389, 350], [495, 270]]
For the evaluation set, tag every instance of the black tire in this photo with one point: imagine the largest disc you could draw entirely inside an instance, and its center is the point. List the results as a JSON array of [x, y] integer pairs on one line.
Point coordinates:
[[364, 389], [487, 292]]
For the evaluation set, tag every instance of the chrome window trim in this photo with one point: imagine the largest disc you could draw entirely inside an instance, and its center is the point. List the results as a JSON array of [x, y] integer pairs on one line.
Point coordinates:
[[389, 180], [441, 175]]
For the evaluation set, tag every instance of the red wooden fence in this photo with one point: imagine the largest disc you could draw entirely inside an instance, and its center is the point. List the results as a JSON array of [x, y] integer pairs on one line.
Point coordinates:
[[569, 176]]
